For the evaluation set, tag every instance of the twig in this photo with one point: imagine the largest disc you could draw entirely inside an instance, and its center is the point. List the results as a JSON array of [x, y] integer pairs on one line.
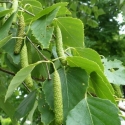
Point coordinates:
[[49, 77], [27, 11], [13, 74], [121, 108], [21, 9], [37, 49], [42, 56], [26, 87], [8, 72], [38, 79], [4, 2]]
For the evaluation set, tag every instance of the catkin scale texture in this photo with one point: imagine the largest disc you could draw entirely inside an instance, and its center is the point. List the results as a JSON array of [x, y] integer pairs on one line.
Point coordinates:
[[59, 46], [24, 63], [21, 27], [58, 104], [29, 52]]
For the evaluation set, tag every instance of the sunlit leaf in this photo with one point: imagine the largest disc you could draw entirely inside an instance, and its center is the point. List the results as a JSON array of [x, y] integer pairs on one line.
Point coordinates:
[[91, 66], [72, 31]]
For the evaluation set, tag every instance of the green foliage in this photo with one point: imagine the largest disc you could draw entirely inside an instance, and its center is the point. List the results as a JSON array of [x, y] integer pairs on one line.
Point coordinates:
[[114, 71], [20, 34], [85, 95], [93, 111], [25, 106], [58, 104], [59, 45]]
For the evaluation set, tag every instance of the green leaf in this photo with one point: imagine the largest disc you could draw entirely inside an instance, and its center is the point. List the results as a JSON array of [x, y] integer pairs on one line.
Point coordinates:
[[25, 106], [9, 62], [92, 23], [7, 107], [93, 2], [40, 70], [40, 30], [88, 10], [74, 82], [84, 8], [100, 87], [94, 111], [63, 11], [89, 66], [31, 113], [6, 27], [72, 31], [5, 12], [49, 9], [101, 12], [5, 40], [114, 71], [47, 115], [9, 49], [89, 54], [19, 78]]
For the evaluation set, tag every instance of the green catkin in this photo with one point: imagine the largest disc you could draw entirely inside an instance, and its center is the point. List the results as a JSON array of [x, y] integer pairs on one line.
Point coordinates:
[[117, 90], [21, 27], [59, 46], [24, 63], [29, 52], [58, 104]]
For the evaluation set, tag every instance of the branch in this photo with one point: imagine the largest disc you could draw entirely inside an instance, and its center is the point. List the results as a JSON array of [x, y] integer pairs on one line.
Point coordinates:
[[13, 74], [4, 1], [37, 49], [8, 72], [121, 108], [26, 87], [27, 11], [41, 55]]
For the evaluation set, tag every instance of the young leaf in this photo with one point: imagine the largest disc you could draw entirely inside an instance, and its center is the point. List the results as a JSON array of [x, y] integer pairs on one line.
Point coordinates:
[[25, 106], [94, 111], [74, 83]]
